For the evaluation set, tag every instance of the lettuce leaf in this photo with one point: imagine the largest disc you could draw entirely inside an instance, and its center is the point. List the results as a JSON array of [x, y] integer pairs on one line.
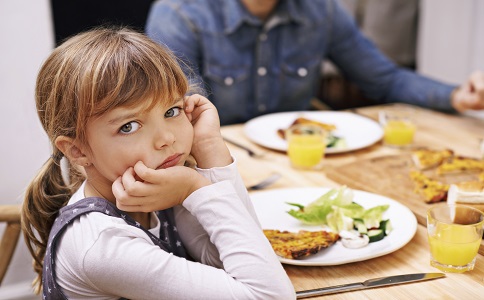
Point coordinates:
[[315, 213], [337, 210]]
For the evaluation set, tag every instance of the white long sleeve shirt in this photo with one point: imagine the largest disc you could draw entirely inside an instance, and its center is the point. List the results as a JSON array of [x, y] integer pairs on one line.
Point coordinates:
[[102, 257]]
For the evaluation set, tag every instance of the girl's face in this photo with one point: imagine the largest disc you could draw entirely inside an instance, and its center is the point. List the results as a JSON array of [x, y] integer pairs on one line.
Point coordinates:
[[160, 137]]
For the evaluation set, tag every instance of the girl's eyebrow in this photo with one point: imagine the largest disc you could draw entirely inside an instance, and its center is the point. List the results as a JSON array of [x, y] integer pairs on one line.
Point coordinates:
[[136, 112], [123, 117]]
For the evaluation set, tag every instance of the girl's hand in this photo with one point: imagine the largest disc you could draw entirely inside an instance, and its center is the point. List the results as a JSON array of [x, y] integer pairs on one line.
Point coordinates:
[[142, 189], [209, 149]]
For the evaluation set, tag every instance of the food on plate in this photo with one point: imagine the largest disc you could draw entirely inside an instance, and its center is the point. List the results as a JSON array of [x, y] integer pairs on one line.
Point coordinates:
[[301, 120], [332, 141], [468, 193], [336, 210], [443, 164], [432, 190], [353, 239], [427, 158], [459, 164], [293, 245]]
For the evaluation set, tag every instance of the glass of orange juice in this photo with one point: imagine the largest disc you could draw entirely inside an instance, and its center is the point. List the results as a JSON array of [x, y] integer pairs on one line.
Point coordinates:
[[454, 234], [398, 127], [306, 145]]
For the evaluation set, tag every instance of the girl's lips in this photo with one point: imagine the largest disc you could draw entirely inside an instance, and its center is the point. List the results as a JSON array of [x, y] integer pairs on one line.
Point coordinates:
[[170, 161]]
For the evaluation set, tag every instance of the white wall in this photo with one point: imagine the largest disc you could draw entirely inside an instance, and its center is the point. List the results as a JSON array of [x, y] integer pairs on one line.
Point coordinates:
[[26, 39], [451, 40]]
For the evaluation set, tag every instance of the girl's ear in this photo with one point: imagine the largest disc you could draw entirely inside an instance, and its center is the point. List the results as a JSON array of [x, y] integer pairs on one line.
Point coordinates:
[[72, 151]]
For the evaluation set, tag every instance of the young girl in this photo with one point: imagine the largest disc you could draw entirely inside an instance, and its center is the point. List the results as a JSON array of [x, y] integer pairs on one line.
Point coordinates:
[[113, 105]]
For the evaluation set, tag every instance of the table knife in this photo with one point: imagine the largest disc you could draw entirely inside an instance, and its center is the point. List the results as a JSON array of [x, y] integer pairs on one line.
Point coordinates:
[[370, 283]]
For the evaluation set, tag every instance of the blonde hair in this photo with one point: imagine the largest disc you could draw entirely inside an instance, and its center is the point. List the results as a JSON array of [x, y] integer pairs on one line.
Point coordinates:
[[89, 74]]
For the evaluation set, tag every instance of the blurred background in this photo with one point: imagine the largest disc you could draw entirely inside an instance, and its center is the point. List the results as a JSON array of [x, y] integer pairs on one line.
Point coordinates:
[[443, 39]]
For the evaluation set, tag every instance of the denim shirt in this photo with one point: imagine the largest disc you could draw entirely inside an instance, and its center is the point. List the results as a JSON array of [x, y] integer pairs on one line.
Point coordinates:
[[249, 67]]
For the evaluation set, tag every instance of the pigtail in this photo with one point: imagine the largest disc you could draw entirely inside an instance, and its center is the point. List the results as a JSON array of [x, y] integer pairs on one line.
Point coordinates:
[[46, 194]]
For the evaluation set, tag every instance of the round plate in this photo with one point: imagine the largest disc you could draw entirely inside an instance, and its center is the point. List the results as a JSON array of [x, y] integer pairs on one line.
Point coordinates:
[[359, 132], [271, 209]]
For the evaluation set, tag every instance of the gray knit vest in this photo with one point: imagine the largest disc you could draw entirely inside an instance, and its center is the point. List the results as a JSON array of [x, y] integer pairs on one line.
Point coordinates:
[[169, 240]]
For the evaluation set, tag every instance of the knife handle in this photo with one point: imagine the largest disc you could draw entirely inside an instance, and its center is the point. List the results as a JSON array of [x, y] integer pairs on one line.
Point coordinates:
[[329, 290]]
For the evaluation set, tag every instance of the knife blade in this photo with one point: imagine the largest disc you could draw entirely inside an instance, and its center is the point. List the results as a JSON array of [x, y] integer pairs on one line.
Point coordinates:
[[370, 283]]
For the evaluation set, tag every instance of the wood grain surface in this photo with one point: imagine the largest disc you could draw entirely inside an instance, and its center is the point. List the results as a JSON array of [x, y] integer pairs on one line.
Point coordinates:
[[381, 170]]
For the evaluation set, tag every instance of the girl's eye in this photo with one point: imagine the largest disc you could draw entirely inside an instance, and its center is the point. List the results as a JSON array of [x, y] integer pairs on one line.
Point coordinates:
[[173, 112], [129, 127]]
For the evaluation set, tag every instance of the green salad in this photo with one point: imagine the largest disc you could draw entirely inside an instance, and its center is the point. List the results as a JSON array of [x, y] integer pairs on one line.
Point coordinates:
[[337, 210]]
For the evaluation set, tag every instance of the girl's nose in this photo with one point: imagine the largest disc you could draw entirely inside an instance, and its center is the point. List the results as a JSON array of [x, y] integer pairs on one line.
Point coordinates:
[[164, 138]]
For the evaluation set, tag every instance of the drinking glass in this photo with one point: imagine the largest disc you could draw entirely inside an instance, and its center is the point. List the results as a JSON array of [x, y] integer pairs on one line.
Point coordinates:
[[398, 127], [306, 146], [454, 234]]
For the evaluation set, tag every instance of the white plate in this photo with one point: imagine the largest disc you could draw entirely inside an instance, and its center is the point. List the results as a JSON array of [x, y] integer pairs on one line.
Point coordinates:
[[271, 209], [359, 132]]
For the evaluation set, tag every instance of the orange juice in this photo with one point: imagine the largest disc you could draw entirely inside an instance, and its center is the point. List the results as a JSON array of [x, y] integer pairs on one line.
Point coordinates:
[[306, 150], [398, 132], [306, 145], [454, 245], [455, 234]]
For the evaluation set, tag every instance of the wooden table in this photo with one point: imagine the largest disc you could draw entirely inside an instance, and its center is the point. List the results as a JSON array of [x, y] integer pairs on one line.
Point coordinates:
[[436, 130]]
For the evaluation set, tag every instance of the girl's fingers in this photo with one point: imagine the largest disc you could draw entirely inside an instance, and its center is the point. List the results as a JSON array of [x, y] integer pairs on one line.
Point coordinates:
[[118, 189], [145, 174], [127, 179], [124, 201], [131, 185], [189, 105]]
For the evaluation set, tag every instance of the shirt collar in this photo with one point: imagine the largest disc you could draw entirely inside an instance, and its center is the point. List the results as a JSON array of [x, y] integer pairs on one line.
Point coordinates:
[[235, 14]]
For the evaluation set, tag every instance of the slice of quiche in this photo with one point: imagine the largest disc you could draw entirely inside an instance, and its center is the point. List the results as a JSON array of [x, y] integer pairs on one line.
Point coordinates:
[[428, 158], [293, 245], [301, 120], [459, 164], [431, 190]]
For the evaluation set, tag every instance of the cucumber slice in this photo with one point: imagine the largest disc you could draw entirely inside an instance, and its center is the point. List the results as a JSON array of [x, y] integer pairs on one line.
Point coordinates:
[[331, 140], [375, 235], [340, 144], [386, 226], [360, 226]]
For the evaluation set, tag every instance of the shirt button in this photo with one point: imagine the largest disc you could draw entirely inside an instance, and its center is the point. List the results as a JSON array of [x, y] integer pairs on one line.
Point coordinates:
[[263, 37], [302, 72], [228, 81], [262, 71], [262, 107]]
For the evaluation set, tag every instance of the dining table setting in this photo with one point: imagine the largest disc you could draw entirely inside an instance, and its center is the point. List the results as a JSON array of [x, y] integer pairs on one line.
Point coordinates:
[[377, 174]]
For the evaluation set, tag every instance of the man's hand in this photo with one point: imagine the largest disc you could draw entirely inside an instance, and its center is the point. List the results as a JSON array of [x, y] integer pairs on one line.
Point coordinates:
[[470, 95]]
